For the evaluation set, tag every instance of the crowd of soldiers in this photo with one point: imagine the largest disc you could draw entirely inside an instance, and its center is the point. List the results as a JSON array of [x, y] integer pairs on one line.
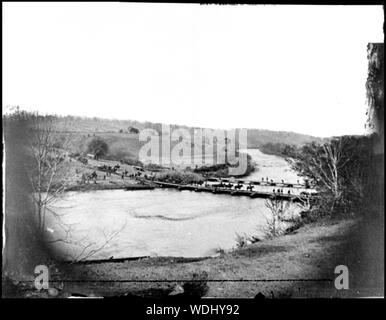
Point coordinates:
[[86, 178], [281, 191], [239, 186], [109, 169]]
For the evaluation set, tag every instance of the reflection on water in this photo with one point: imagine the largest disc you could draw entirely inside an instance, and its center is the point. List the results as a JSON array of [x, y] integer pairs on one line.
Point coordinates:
[[157, 222]]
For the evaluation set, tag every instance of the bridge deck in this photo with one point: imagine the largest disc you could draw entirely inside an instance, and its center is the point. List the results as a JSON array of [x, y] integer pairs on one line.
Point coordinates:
[[233, 192]]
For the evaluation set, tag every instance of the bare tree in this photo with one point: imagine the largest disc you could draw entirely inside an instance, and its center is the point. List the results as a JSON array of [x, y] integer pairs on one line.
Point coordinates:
[[92, 248], [324, 164], [47, 169], [50, 175], [278, 209]]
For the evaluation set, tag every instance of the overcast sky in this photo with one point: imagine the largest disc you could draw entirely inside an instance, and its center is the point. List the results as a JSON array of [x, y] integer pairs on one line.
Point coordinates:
[[295, 68]]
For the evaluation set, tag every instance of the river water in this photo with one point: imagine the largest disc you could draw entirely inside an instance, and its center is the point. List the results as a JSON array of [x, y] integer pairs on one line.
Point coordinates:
[[161, 222], [271, 167]]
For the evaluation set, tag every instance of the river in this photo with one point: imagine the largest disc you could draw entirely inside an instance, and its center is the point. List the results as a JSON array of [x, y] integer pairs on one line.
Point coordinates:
[[161, 222], [271, 167]]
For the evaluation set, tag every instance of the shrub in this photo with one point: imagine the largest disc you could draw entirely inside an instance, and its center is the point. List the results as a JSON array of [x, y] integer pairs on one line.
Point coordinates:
[[98, 147], [198, 286], [179, 177], [241, 240], [274, 223], [133, 130]]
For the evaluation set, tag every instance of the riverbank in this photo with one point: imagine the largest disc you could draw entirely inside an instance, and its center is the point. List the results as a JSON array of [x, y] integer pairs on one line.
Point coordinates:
[[125, 177], [102, 181], [110, 185], [300, 264]]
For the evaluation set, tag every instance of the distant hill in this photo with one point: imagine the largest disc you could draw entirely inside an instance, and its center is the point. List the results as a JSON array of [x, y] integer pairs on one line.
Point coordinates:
[[122, 136], [256, 137], [259, 137]]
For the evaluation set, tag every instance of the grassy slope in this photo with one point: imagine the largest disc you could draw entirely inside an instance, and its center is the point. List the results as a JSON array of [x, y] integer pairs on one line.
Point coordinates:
[[121, 145], [310, 253]]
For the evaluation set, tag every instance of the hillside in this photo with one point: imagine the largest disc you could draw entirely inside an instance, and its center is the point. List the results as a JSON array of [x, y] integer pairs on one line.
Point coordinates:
[[122, 135], [256, 137], [259, 137]]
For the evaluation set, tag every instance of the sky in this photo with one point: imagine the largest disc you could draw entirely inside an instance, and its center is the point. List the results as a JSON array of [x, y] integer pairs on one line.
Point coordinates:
[[288, 68]]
